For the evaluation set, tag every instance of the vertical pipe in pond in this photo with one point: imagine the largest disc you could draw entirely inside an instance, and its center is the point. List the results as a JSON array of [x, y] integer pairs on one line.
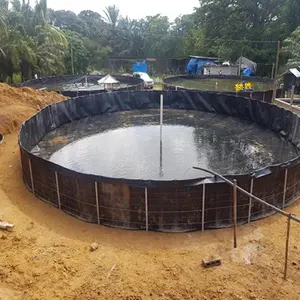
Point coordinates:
[[161, 115], [160, 144]]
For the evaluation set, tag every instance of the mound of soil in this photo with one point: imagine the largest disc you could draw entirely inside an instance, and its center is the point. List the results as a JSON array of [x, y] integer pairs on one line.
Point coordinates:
[[18, 104]]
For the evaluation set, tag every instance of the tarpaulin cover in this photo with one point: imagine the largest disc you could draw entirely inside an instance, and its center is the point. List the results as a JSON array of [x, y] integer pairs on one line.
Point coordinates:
[[172, 205], [247, 72], [140, 66], [192, 66]]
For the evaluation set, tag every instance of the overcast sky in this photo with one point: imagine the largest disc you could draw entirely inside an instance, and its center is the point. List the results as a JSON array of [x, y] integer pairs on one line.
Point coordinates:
[[132, 8]]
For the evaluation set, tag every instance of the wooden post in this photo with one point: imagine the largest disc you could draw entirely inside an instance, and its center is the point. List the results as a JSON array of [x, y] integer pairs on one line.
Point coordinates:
[[97, 202], [250, 200], [31, 176], [292, 95], [287, 245], [284, 188], [273, 69], [234, 213], [203, 206], [57, 190], [146, 209]]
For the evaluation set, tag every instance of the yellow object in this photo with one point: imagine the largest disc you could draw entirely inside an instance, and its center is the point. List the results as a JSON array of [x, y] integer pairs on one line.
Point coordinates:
[[239, 86], [248, 85]]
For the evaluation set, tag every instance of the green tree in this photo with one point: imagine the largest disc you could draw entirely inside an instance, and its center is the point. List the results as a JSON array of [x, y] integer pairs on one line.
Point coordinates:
[[78, 55], [292, 49]]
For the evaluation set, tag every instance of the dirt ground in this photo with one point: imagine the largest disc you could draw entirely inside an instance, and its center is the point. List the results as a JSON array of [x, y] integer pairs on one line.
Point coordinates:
[[18, 104], [47, 255]]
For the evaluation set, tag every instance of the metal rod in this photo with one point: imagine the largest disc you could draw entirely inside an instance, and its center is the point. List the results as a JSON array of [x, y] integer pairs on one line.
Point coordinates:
[[284, 188], [292, 95], [146, 209], [234, 214], [161, 115], [250, 200], [57, 190], [161, 171], [287, 245], [203, 206], [293, 217], [97, 202], [31, 176]]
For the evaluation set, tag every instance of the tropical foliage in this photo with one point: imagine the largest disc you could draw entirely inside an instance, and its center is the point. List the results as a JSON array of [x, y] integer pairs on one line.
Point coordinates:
[[38, 40]]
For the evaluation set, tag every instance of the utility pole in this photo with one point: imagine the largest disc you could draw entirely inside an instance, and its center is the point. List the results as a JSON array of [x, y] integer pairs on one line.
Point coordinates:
[[276, 71], [72, 59]]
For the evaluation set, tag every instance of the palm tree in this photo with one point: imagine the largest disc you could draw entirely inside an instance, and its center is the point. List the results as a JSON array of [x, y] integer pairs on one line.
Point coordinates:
[[112, 15], [29, 44]]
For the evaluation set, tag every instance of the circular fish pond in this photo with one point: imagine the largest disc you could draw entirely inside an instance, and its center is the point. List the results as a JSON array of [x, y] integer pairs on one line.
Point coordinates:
[[102, 159]]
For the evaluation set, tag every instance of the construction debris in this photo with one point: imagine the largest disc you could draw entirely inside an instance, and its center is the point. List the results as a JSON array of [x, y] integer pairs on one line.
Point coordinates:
[[212, 261], [111, 270], [7, 226], [94, 247]]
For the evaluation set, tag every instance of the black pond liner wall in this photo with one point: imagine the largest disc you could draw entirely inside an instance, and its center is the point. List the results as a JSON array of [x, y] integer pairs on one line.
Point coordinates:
[[169, 84], [133, 83], [201, 203]]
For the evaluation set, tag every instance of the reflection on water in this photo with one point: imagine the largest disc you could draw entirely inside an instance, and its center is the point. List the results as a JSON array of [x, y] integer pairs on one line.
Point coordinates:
[[213, 84], [127, 145]]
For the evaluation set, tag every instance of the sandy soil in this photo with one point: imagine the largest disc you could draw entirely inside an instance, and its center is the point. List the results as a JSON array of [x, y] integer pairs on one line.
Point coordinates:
[[18, 104], [48, 256]]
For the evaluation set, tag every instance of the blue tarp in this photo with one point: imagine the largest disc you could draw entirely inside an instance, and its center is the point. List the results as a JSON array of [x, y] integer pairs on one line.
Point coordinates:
[[201, 63], [140, 67], [248, 72], [192, 66], [195, 66]]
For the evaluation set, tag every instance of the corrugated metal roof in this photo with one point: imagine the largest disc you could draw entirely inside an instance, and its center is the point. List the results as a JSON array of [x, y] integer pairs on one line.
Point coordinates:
[[295, 72], [203, 57]]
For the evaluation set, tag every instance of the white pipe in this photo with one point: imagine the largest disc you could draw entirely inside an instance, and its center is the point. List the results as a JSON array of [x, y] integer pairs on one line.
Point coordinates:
[[86, 81], [161, 115]]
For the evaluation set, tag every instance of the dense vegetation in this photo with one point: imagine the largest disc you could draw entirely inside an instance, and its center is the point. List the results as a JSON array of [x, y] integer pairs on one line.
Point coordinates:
[[37, 40]]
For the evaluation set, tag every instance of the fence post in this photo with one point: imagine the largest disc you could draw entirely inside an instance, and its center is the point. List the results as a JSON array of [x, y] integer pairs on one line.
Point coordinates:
[[264, 96], [57, 190], [31, 176], [284, 188], [203, 206], [250, 200], [97, 202], [146, 209], [287, 245], [234, 214], [292, 95]]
